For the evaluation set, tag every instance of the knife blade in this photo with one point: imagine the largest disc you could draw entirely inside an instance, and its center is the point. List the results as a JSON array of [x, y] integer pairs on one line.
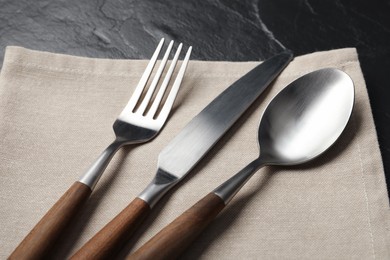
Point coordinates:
[[177, 159]]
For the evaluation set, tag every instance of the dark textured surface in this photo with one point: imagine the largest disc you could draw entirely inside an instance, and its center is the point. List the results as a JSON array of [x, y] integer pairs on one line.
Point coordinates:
[[218, 30]]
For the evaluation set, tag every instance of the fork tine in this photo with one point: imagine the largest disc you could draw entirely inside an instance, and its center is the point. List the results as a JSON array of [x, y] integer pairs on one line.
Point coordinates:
[[153, 85], [164, 85], [175, 88], [145, 76]]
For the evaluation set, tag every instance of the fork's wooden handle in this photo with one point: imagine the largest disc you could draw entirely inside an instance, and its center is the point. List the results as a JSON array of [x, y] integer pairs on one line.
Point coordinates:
[[110, 239], [172, 240], [43, 236]]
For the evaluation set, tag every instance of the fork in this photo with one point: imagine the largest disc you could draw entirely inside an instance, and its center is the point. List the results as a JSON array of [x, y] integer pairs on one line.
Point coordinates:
[[140, 121]]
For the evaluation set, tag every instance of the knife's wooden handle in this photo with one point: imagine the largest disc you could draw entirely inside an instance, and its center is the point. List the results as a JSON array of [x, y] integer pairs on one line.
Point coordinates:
[[42, 237], [110, 239], [172, 240]]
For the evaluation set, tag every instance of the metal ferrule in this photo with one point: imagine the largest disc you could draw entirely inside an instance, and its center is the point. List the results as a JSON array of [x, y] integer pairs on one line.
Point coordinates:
[[161, 183], [93, 174], [229, 188]]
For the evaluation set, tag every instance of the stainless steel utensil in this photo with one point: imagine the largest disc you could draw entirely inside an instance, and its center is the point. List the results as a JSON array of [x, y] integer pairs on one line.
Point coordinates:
[[299, 124], [184, 152], [134, 125]]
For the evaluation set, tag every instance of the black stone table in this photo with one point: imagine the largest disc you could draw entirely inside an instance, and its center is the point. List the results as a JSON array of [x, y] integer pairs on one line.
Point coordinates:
[[235, 30]]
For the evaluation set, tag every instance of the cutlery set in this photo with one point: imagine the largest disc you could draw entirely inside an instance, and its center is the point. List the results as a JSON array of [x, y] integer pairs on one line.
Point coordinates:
[[299, 124]]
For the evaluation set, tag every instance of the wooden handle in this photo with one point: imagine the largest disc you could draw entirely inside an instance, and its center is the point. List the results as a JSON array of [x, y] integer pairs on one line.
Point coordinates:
[[172, 240], [42, 237], [110, 239]]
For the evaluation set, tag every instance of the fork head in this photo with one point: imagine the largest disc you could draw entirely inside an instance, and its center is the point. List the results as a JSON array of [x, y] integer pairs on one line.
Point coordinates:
[[146, 112]]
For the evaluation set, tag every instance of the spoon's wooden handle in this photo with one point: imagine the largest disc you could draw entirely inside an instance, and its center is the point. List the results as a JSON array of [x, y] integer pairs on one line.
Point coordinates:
[[42, 237], [172, 240], [110, 239]]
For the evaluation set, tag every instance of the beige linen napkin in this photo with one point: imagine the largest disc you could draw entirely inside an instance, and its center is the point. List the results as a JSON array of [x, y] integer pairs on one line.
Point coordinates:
[[56, 113]]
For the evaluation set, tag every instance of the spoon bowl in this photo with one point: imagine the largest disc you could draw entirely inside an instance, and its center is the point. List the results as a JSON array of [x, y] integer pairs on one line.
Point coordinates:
[[306, 117]]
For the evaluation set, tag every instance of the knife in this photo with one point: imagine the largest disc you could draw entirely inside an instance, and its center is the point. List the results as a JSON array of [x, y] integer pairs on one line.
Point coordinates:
[[177, 159]]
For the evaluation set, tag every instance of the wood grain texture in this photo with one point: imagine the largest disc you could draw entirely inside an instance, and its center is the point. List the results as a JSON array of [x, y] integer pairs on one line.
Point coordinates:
[[110, 239], [42, 237], [171, 241]]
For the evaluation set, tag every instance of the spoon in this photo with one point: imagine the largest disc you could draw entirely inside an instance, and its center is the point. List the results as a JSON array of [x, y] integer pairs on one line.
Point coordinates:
[[299, 124]]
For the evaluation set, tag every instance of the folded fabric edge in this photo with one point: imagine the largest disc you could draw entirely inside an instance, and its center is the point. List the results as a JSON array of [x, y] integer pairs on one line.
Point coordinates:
[[124, 67]]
